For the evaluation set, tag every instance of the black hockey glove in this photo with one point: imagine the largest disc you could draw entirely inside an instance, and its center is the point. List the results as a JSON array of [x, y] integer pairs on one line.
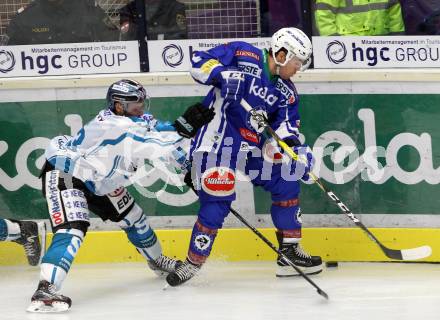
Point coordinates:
[[195, 117], [188, 180]]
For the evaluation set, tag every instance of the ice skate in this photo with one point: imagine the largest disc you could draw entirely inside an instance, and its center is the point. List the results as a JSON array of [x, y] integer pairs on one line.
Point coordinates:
[[163, 265], [183, 273], [46, 299], [304, 261], [33, 239]]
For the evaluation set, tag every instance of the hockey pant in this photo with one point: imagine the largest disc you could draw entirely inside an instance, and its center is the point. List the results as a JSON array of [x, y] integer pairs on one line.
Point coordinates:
[[216, 189]]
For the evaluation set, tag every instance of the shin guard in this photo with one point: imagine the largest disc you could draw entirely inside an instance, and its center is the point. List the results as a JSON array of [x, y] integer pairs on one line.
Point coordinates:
[[60, 255]]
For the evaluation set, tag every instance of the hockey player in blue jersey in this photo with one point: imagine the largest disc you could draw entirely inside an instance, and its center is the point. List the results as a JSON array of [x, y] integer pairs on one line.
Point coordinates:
[[90, 172], [231, 141], [31, 235]]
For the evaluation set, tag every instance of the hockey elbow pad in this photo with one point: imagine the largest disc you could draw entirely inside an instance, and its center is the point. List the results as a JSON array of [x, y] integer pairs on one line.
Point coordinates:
[[195, 117], [232, 85]]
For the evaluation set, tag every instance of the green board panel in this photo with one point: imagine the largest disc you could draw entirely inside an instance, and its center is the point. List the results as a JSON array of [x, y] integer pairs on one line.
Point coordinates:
[[404, 127]]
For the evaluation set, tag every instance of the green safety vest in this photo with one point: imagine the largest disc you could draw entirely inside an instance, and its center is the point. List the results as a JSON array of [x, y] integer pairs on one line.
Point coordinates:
[[358, 17]]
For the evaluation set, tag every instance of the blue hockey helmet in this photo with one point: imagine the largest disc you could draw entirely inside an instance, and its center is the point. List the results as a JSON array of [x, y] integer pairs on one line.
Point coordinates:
[[125, 92]]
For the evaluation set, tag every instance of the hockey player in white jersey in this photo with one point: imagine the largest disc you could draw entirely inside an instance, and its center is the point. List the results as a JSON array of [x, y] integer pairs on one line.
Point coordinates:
[[90, 172], [31, 235]]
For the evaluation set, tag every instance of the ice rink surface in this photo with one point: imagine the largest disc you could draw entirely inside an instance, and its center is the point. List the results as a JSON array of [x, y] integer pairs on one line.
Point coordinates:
[[231, 290]]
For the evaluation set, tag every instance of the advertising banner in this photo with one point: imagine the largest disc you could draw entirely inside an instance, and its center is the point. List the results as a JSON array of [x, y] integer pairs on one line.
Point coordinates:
[[174, 55], [377, 52], [380, 153], [69, 58]]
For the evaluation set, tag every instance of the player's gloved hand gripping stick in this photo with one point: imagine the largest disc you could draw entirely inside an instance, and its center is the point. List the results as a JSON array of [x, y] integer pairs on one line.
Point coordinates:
[[404, 254]]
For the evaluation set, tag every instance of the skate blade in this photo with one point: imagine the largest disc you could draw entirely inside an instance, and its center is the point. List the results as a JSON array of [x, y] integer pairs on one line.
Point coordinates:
[[41, 307], [288, 271]]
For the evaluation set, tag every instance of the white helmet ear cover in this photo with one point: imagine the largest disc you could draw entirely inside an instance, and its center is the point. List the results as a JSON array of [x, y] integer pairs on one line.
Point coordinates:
[[306, 64], [295, 42]]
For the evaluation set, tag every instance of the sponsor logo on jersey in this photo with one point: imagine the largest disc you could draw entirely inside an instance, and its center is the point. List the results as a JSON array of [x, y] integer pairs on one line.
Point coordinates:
[[249, 54], [286, 91], [249, 135], [244, 146], [7, 61], [53, 198], [218, 181], [262, 92], [209, 65], [250, 69]]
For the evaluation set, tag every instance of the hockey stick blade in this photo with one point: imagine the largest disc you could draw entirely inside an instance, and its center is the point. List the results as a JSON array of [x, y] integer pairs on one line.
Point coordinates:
[[408, 254]]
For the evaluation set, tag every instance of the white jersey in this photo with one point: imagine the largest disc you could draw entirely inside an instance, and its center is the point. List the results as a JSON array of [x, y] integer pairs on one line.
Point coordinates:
[[107, 151]]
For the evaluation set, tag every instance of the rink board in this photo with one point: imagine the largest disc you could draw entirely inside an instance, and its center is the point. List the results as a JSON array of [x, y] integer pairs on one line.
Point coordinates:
[[332, 244], [359, 112]]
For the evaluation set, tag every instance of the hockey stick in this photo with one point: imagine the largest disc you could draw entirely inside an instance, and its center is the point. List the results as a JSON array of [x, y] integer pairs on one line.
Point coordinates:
[[404, 254], [270, 244]]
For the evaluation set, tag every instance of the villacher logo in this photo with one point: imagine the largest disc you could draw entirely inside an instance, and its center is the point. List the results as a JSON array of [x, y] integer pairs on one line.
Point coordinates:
[[7, 61], [336, 52], [172, 55]]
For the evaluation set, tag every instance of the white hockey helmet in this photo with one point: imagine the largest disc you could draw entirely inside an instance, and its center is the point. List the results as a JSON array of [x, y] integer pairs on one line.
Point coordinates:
[[295, 42]]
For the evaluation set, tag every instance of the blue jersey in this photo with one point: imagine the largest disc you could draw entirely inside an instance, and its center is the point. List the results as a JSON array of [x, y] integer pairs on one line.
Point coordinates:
[[232, 125]]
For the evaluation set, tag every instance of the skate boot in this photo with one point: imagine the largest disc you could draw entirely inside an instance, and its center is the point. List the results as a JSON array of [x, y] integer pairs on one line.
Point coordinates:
[[163, 265], [183, 273], [46, 299], [301, 259], [29, 239]]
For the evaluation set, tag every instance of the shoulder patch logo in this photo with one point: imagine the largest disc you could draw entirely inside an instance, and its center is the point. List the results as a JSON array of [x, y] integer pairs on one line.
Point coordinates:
[[249, 54]]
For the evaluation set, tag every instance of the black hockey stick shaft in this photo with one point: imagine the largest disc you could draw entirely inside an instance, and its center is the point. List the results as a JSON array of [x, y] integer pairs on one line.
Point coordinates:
[[262, 123], [270, 244]]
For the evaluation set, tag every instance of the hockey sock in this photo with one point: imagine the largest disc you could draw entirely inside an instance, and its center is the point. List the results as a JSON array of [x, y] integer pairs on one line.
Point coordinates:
[[9, 230], [286, 215], [288, 236], [59, 257], [141, 235], [202, 239]]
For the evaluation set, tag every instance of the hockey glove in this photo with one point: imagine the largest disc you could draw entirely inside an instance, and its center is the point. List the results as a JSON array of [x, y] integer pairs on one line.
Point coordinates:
[[232, 85], [195, 117], [305, 161], [188, 180]]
